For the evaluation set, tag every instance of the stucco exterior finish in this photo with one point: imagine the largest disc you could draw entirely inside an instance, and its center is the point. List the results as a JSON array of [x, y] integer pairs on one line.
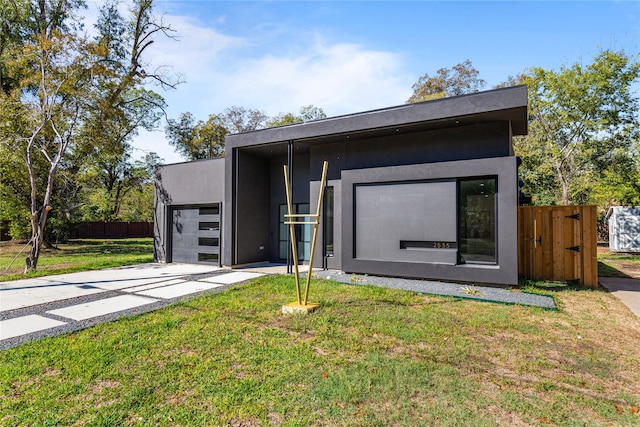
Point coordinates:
[[386, 214], [506, 269], [422, 149], [184, 184]]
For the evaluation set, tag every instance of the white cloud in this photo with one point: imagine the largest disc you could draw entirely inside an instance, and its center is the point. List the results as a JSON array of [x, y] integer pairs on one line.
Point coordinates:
[[155, 141], [341, 78], [195, 49], [223, 71]]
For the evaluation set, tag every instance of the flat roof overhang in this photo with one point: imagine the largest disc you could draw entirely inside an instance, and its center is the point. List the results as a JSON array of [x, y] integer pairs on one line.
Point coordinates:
[[507, 104]]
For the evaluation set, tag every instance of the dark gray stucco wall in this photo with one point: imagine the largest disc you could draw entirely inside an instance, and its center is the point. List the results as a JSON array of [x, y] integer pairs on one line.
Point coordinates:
[[506, 269], [484, 140], [251, 206], [466, 142], [193, 183]]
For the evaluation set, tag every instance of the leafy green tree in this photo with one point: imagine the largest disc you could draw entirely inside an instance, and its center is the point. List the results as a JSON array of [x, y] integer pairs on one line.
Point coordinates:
[[204, 140], [121, 105], [306, 114], [620, 184], [138, 204], [583, 130], [14, 192], [54, 70], [14, 19], [197, 140], [108, 183], [66, 100], [460, 79], [25, 26]]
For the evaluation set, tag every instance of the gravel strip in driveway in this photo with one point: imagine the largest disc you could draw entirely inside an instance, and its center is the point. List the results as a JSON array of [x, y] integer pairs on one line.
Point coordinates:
[[481, 293]]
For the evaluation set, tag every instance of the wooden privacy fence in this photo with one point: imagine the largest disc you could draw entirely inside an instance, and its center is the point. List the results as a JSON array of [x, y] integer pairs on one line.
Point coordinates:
[[113, 229], [558, 243]]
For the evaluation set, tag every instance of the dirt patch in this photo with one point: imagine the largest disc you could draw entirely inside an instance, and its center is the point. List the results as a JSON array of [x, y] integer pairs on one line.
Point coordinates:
[[626, 263], [630, 269], [101, 385]]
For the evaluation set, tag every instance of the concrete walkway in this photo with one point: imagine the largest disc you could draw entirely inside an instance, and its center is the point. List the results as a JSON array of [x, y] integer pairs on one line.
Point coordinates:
[[626, 290], [34, 308]]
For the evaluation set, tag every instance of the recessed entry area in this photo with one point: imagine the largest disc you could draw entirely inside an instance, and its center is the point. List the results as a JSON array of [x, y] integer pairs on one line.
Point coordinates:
[[195, 234]]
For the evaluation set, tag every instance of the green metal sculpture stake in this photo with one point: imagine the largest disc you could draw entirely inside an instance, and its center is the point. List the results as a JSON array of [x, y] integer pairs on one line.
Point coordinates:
[[303, 304]]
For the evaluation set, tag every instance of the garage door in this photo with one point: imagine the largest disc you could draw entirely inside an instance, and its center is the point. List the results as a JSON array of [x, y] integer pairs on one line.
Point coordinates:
[[195, 234]]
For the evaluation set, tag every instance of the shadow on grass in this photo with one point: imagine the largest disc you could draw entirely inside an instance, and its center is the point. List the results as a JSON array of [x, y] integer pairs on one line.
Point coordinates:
[[547, 288], [607, 270], [125, 246], [142, 241]]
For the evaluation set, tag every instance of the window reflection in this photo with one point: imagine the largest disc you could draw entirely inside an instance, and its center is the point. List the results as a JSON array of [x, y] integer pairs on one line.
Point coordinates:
[[477, 220]]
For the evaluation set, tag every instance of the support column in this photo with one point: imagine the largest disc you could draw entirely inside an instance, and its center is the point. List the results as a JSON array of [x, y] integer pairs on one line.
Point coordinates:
[[290, 168]]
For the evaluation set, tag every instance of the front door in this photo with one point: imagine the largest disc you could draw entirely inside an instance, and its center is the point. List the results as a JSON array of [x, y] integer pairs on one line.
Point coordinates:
[[303, 234]]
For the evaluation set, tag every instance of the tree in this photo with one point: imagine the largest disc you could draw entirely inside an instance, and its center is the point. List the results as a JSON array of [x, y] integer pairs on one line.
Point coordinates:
[[14, 191], [14, 17], [239, 119], [460, 79], [106, 193], [584, 129], [29, 32], [122, 104], [137, 205], [306, 114], [197, 140], [54, 70], [65, 98]]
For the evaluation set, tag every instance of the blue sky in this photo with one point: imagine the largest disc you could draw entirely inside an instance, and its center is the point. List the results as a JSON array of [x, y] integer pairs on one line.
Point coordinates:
[[352, 56]]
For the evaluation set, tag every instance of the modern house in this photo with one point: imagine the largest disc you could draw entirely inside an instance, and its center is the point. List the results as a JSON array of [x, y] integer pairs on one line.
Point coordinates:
[[427, 190]]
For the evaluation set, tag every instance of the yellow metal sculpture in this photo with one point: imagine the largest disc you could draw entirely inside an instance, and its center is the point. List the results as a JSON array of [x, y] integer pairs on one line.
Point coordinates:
[[303, 304]]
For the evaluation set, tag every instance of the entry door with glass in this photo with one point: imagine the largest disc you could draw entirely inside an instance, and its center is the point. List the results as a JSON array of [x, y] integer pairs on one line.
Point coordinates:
[[303, 234]]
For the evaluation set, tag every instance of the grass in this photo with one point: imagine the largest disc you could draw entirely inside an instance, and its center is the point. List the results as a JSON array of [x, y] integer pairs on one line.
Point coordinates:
[[611, 264], [368, 357], [76, 255]]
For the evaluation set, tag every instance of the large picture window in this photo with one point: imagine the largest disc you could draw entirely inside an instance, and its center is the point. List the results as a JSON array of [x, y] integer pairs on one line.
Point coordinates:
[[477, 220]]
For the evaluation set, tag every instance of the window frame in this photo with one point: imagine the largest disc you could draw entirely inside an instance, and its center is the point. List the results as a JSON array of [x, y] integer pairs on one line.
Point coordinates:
[[459, 214]]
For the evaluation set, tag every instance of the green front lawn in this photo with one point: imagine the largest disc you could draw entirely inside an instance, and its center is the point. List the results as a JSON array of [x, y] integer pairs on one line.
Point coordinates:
[[369, 356], [76, 255]]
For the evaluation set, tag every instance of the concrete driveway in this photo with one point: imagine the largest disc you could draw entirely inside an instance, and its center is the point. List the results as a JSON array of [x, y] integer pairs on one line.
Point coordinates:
[[51, 305]]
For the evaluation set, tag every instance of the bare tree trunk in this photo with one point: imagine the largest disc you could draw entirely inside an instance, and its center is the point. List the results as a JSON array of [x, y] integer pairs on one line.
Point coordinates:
[[37, 232], [564, 184], [38, 224]]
